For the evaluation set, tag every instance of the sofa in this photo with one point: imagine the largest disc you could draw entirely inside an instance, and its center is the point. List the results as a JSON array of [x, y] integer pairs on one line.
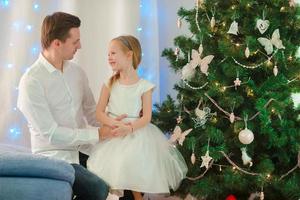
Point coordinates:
[[24, 176]]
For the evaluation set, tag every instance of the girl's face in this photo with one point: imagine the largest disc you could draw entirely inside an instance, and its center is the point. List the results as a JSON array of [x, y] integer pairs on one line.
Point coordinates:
[[117, 58]]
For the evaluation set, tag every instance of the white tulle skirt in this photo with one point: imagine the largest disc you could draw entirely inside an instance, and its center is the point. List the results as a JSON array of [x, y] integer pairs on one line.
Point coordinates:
[[143, 161]]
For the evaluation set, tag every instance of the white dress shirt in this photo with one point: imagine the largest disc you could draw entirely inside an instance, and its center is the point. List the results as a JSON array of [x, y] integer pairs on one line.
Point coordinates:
[[58, 105]]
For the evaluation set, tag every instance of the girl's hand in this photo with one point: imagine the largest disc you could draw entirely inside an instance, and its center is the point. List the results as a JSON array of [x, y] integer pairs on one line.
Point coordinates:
[[122, 130], [118, 121], [117, 124]]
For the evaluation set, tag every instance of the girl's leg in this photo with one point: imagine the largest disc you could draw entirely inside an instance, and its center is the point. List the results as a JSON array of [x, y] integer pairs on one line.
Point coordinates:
[[137, 195]]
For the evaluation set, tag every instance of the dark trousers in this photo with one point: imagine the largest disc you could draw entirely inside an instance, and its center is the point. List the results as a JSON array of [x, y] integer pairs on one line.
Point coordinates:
[[127, 194], [88, 186]]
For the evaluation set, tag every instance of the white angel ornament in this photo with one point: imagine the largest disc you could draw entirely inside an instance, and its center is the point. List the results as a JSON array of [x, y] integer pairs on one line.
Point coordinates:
[[201, 62], [178, 135], [268, 43]]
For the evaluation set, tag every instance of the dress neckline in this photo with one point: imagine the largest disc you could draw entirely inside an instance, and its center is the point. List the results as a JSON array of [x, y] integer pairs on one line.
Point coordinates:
[[130, 85]]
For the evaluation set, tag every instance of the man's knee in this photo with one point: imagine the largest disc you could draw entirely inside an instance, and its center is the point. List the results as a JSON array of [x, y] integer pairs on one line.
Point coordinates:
[[100, 189]]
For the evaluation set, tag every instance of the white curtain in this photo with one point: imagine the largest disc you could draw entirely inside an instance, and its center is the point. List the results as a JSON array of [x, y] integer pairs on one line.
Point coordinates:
[[102, 20]]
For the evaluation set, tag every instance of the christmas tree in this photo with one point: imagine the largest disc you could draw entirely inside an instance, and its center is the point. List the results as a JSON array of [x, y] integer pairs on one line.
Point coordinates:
[[234, 119]]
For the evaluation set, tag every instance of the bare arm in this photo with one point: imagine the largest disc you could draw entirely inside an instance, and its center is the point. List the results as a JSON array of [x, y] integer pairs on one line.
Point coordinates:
[[101, 106], [147, 111]]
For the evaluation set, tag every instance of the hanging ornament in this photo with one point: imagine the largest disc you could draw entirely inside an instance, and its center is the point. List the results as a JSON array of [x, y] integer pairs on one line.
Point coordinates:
[[262, 25], [187, 72], [247, 52], [179, 119], [231, 117], [176, 53], [237, 82], [230, 197], [262, 195], [179, 23], [246, 136], [206, 160], [179, 136], [275, 70], [203, 63], [268, 43], [212, 19], [292, 3], [212, 22], [246, 159], [233, 28], [202, 115], [193, 158]]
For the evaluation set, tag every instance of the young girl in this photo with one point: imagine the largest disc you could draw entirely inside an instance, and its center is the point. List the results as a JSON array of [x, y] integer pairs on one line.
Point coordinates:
[[141, 159]]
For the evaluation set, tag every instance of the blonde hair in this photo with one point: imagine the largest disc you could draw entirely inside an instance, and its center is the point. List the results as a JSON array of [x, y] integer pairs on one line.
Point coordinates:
[[128, 43]]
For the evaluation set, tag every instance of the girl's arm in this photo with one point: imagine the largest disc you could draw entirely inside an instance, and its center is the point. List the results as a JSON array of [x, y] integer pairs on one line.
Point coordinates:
[[101, 106], [141, 122], [147, 111]]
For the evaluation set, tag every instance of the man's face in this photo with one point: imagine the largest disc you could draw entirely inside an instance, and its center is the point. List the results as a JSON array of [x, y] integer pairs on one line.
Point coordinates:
[[70, 46]]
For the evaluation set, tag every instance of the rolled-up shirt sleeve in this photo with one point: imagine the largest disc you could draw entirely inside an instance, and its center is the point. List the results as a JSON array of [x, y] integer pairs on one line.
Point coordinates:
[[32, 102]]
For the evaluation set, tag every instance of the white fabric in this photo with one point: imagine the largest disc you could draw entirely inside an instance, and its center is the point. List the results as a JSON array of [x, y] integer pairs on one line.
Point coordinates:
[[56, 106], [141, 161]]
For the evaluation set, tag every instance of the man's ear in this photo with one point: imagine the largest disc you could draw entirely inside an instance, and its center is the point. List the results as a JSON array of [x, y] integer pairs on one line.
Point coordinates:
[[56, 42]]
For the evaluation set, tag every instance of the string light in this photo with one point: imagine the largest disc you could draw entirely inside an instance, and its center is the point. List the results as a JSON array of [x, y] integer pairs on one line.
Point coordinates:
[[9, 66], [139, 29], [4, 3], [29, 27], [273, 110], [36, 6], [214, 120], [269, 62], [282, 9], [223, 89]]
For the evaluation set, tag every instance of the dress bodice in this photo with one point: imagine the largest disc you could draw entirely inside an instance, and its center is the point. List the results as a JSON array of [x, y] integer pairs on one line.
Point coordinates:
[[127, 99]]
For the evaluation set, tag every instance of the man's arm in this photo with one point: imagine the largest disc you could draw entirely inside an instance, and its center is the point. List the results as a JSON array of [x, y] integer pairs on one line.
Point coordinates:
[[89, 103], [33, 104]]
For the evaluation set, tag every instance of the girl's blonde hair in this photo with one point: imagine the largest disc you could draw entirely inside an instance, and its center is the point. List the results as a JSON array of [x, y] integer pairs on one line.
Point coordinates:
[[128, 43]]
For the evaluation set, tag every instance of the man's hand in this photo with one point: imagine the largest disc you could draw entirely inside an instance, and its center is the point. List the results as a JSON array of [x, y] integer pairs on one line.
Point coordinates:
[[105, 132]]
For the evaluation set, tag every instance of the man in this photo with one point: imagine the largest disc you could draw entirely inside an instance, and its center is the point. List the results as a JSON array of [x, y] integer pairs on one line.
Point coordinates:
[[56, 100]]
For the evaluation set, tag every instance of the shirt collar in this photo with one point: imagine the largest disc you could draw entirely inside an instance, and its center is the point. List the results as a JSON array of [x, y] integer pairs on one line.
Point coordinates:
[[46, 64], [49, 66]]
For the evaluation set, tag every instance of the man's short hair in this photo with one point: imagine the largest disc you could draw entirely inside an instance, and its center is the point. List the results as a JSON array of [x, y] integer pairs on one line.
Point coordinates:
[[57, 26]]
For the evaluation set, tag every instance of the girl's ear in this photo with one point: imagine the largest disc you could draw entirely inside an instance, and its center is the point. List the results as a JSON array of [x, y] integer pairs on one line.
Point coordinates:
[[130, 54]]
